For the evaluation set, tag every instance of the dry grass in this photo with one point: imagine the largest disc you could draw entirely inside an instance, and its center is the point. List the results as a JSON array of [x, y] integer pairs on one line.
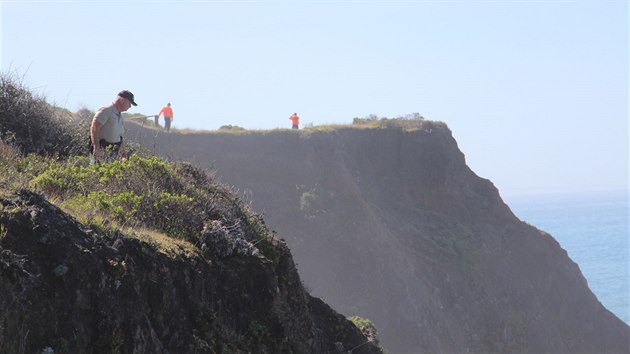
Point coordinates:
[[163, 243]]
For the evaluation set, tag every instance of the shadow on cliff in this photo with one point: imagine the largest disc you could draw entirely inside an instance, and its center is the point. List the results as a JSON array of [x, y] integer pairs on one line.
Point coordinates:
[[388, 222]]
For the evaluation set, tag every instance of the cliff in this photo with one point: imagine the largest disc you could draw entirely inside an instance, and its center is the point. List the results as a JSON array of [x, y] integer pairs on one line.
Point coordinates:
[[389, 223], [140, 255]]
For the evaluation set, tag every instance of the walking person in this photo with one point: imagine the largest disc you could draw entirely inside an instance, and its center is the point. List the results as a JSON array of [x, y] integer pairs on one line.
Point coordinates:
[[107, 129], [168, 116], [295, 119]]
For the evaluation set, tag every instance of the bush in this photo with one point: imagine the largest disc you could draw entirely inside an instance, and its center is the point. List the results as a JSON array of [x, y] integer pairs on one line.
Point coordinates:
[[376, 121], [16, 170], [175, 198], [232, 128], [366, 327], [32, 125]]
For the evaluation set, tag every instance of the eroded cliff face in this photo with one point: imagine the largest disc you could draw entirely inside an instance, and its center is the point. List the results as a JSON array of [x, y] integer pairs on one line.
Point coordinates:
[[69, 289], [390, 224]]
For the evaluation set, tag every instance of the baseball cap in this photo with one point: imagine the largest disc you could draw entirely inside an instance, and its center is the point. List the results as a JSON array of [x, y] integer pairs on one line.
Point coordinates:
[[128, 95]]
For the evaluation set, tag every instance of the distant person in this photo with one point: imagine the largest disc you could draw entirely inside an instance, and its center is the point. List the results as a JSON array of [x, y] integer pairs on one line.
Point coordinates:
[[168, 116], [107, 130], [296, 121]]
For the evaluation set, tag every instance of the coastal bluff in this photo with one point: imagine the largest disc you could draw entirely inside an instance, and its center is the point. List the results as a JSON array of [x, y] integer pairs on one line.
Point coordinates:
[[140, 255], [389, 223]]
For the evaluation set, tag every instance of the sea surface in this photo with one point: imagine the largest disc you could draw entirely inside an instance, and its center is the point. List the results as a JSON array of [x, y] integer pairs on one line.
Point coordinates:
[[593, 229]]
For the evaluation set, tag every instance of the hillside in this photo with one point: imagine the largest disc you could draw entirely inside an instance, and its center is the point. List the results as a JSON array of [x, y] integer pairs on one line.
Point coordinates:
[[387, 222], [140, 255]]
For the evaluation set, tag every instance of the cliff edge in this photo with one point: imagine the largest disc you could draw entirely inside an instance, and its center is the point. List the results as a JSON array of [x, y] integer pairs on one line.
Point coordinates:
[[389, 223]]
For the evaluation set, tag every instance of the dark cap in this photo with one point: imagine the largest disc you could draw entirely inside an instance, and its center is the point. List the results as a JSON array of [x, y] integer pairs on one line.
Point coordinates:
[[128, 95]]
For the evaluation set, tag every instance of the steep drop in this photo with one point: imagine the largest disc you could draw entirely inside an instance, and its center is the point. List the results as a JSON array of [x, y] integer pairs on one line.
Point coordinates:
[[390, 224]]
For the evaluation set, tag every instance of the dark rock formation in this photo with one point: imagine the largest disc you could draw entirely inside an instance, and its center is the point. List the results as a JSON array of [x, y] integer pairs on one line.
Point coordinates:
[[390, 224], [68, 289]]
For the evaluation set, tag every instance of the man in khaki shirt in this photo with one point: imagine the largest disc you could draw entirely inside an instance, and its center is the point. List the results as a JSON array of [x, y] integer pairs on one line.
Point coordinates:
[[106, 133]]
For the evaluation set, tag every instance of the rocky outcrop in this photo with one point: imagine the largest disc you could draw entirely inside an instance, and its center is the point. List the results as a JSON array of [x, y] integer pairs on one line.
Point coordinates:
[[390, 224], [70, 289]]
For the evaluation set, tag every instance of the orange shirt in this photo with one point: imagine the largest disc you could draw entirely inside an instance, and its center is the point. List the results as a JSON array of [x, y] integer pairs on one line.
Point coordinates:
[[168, 112], [295, 119]]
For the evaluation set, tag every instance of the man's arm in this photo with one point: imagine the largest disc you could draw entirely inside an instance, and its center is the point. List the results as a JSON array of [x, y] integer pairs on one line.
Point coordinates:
[[95, 135]]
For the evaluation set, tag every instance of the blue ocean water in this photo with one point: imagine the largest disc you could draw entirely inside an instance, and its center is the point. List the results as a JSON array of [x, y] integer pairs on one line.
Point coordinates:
[[593, 229]]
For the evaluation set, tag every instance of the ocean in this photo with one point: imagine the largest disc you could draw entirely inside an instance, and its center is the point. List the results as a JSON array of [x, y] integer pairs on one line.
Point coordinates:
[[593, 229]]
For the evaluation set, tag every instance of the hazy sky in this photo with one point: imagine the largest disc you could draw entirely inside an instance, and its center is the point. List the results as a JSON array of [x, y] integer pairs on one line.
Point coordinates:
[[535, 92]]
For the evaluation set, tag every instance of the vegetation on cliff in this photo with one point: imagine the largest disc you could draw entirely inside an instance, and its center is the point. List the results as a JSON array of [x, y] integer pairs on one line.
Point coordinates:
[[32, 125]]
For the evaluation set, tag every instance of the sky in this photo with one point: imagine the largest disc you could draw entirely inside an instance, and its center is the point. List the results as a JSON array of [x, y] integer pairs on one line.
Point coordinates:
[[535, 92]]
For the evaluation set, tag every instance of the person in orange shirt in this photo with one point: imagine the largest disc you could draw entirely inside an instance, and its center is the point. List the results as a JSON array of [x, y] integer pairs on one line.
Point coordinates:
[[296, 121], [168, 116]]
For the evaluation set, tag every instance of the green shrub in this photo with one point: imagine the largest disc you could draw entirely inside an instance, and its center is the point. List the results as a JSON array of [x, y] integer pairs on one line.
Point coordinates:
[[175, 198], [16, 170], [232, 128], [366, 327]]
